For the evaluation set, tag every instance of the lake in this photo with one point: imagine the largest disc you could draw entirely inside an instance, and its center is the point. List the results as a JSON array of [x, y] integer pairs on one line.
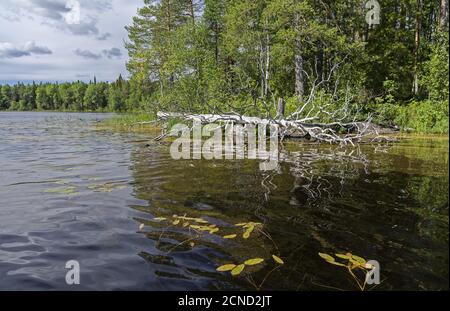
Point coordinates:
[[135, 219]]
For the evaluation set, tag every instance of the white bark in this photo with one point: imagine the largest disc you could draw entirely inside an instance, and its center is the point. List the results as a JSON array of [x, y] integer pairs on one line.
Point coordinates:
[[323, 132]]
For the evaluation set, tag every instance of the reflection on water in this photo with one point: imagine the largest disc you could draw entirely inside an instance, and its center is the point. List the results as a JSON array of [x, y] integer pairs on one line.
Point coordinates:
[[136, 219]]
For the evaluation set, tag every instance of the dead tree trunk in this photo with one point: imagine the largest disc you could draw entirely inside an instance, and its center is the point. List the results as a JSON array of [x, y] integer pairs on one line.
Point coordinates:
[[299, 76], [443, 15], [321, 132], [280, 109], [417, 46]]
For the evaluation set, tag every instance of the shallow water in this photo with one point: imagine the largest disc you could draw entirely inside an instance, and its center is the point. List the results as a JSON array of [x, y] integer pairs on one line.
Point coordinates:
[[72, 191]]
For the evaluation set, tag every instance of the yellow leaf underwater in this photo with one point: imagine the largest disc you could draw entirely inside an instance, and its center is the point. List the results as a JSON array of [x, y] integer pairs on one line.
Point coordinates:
[[230, 236], [176, 222], [159, 218], [214, 230], [327, 257], [247, 232], [226, 267], [359, 260], [204, 228], [254, 261], [343, 256], [331, 260], [237, 270], [200, 220], [278, 259], [67, 190], [105, 187]]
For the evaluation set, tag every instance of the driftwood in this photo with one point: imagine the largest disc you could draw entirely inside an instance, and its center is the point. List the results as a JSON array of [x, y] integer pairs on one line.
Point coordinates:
[[333, 132]]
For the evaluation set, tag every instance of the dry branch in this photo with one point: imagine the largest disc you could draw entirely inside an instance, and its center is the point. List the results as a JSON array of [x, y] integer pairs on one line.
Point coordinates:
[[333, 132]]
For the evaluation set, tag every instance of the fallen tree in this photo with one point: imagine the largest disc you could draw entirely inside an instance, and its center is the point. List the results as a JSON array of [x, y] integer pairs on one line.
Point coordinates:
[[333, 132]]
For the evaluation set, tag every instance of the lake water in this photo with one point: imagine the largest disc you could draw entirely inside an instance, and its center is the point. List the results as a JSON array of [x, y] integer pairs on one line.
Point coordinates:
[[70, 190]]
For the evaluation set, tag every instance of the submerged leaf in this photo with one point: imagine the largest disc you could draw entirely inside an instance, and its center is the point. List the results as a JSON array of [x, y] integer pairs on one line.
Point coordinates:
[[327, 257], [141, 226], [200, 220], [359, 260], [252, 224], [214, 230], [246, 234], [159, 218], [278, 259], [226, 267], [67, 190], [343, 256], [240, 224], [237, 270], [336, 263], [108, 187], [176, 222], [254, 261], [185, 218], [203, 228], [230, 236]]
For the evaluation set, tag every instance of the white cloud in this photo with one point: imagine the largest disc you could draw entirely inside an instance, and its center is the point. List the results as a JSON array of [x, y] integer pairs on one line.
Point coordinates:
[[104, 36], [87, 54], [9, 50], [43, 21], [112, 53], [58, 13]]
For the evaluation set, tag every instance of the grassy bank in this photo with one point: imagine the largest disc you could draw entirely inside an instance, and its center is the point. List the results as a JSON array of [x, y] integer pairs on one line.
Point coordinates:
[[128, 119], [132, 122]]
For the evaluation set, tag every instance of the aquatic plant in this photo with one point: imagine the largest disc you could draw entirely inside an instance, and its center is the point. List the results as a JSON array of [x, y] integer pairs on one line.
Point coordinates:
[[64, 190], [354, 263], [107, 187], [199, 226]]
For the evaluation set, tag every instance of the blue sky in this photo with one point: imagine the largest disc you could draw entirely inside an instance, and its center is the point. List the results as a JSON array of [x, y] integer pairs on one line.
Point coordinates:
[[41, 41]]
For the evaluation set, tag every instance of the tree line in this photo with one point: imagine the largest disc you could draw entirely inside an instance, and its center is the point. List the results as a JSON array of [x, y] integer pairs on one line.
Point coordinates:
[[247, 55], [70, 96]]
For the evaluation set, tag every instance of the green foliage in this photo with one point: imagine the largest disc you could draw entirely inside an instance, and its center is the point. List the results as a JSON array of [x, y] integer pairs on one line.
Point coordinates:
[[5, 95], [76, 96], [241, 56], [435, 77], [96, 97], [424, 117]]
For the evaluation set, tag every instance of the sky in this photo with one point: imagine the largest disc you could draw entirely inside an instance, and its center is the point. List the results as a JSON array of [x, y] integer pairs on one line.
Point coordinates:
[[64, 40]]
